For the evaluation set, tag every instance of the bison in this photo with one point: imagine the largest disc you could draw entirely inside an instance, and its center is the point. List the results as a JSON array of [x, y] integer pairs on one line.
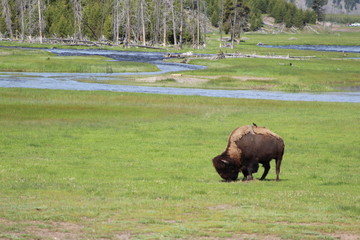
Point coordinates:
[[247, 147]]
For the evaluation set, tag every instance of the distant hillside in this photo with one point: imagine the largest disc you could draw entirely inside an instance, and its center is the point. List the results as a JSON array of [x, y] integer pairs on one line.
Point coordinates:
[[333, 6]]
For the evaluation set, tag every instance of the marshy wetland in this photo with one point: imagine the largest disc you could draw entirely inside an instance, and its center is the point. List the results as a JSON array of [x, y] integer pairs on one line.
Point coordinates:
[[97, 81]]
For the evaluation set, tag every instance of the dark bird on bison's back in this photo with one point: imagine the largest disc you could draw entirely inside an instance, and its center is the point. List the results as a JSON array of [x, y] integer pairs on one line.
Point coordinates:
[[247, 147]]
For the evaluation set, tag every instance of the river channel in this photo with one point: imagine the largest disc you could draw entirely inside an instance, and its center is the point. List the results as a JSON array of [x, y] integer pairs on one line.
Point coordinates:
[[323, 48], [69, 81]]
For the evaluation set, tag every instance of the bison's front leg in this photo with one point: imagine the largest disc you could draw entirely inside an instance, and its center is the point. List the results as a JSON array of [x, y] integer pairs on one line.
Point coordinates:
[[245, 173], [250, 177], [247, 176], [248, 171]]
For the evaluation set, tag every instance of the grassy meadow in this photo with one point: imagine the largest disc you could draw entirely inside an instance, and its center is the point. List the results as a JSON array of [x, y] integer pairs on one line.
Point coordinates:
[[20, 60], [312, 75], [103, 165], [285, 75], [322, 71]]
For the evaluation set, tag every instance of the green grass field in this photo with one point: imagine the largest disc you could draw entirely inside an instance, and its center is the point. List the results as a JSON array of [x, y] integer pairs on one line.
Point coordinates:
[[19, 60], [302, 75], [102, 165], [312, 75]]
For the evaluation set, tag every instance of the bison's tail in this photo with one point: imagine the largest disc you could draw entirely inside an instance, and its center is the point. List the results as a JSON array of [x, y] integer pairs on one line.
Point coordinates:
[[278, 163]]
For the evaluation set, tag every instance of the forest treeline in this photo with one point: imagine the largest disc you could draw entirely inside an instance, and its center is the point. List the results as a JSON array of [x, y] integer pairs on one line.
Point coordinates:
[[142, 22]]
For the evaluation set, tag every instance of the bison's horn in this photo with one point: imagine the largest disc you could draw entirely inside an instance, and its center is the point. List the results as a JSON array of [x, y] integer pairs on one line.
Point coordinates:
[[224, 161]]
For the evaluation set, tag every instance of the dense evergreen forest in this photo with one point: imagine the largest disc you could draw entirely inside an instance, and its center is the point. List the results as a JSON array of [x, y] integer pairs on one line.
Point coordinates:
[[142, 22]]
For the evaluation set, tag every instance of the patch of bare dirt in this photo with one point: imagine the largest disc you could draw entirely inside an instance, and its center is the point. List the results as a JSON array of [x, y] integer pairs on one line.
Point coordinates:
[[179, 78], [194, 80], [5, 222], [258, 237], [68, 231], [39, 230], [302, 223], [220, 207], [244, 237], [123, 236], [345, 236], [243, 78], [341, 236]]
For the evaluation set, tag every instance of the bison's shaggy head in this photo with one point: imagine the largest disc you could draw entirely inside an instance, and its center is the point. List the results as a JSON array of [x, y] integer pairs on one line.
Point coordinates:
[[226, 168]]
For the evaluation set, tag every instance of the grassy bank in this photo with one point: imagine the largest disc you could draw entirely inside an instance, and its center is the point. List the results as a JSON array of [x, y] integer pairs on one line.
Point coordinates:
[[19, 60], [102, 165], [285, 75], [313, 75]]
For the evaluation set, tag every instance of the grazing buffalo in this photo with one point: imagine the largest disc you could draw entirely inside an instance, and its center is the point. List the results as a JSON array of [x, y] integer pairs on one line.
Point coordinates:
[[247, 147]]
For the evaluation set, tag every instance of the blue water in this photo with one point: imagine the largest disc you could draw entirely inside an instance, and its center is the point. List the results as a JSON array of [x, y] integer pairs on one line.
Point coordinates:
[[69, 81], [324, 48]]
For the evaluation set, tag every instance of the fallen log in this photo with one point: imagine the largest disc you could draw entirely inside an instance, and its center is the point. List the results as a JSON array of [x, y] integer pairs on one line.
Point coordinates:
[[144, 46]]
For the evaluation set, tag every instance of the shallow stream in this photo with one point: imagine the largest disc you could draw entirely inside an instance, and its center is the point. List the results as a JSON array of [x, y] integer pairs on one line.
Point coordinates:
[[323, 48]]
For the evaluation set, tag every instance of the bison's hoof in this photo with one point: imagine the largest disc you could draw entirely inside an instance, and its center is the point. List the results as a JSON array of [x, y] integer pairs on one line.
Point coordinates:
[[249, 178]]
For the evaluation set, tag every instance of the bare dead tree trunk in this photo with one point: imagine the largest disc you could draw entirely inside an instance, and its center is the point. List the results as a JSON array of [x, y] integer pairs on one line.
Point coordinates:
[[157, 22], [193, 25], [7, 16], [204, 24], [164, 27], [31, 26], [240, 19], [128, 22], [22, 18], [116, 22], [171, 2], [142, 22], [221, 21], [233, 25], [238, 23], [198, 25], [181, 23], [103, 18], [77, 19], [40, 21]]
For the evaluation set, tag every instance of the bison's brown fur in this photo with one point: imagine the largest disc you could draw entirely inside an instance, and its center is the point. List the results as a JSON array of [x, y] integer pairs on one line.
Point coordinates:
[[247, 147]]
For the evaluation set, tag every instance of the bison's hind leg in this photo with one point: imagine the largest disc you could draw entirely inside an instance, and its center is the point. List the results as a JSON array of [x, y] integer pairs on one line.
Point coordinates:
[[266, 166]]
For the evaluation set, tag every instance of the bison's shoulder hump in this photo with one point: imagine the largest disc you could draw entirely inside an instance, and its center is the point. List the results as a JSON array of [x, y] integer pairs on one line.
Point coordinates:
[[265, 131], [239, 132]]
